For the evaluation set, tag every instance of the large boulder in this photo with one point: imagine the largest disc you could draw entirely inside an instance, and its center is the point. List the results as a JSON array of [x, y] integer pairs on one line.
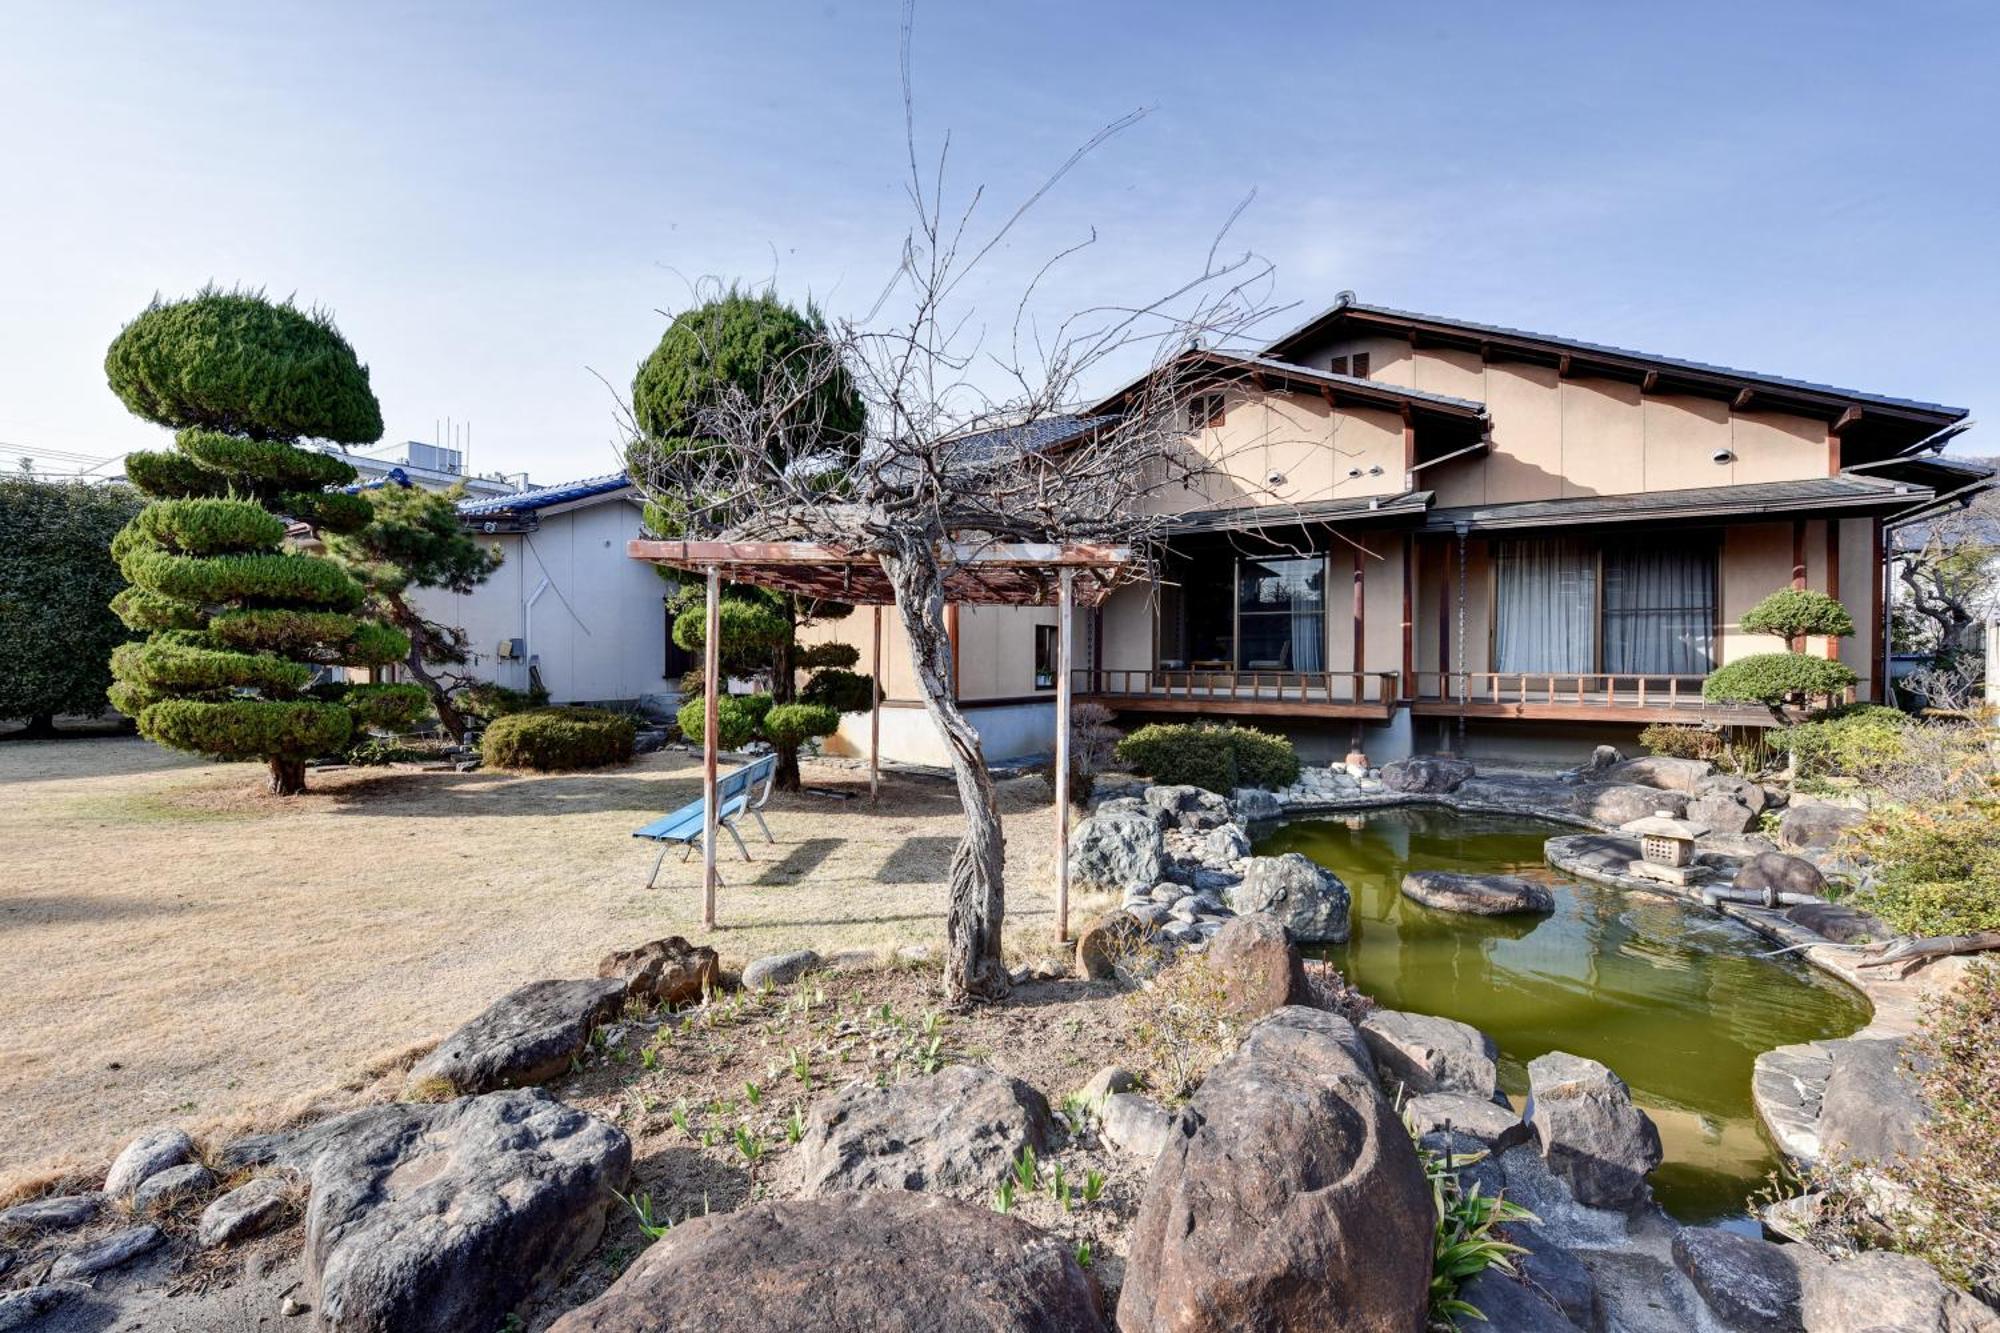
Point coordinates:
[[1108, 941], [163, 1189], [1423, 1053], [1308, 900], [1591, 1134], [960, 1128], [1620, 803], [1290, 1198], [1870, 1111], [1135, 1124], [1839, 922], [669, 971], [1477, 895], [886, 1263], [1512, 1305], [1259, 968], [252, 1208], [439, 1219], [1438, 1117], [1721, 812], [529, 1035], [1877, 1292], [152, 1152], [59, 1212], [1432, 775], [1747, 793], [1224, 845], [1750, 1284], [1773, 873], [1113, 850], [1815, 826], [1251, 804], [780, 969], [1662, 771], [106, 1253], [1189, 807]]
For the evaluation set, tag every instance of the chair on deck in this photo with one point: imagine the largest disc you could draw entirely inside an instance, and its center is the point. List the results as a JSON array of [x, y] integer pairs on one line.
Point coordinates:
[[735, 794]]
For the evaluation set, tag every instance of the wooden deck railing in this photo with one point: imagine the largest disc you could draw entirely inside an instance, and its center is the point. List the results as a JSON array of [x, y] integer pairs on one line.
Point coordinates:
[[1580, 690], [1222, 684]]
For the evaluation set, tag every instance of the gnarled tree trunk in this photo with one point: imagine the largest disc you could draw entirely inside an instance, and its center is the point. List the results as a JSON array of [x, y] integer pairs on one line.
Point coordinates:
[[973, 969], [288, 777], [404, 617], [784, 690]]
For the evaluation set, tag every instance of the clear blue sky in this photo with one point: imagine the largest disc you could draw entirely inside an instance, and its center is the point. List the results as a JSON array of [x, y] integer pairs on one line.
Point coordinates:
[[496, 200]]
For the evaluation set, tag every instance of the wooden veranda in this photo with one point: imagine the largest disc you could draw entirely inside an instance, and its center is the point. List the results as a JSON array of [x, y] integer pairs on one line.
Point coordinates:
[[984, 574]]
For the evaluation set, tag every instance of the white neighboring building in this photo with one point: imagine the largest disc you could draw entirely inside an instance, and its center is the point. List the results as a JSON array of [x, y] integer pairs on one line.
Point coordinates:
[[567, 605], [431, 466]]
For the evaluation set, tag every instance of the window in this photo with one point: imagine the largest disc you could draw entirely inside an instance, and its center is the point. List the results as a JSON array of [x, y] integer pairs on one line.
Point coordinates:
[[1206, 410], [1355, 365], [1566, 607], [1045, 657], [1281, 614]]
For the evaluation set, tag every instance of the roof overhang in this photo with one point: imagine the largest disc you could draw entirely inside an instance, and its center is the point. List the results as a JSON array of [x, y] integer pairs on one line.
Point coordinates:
[[1198, 368], [1264, 518], [986, 574], [1810, 497]]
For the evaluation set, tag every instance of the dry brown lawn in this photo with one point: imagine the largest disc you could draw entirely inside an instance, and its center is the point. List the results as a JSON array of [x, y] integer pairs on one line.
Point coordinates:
[[174, 945]]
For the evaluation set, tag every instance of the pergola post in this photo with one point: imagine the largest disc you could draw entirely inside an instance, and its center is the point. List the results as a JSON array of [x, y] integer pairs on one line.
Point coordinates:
[[1066, 606], [875, 712], [711, 666]]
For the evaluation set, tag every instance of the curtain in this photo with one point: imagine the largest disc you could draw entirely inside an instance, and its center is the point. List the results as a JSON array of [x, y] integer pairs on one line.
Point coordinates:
[[1546, 607], [1308, 639], [1659, 608], [1281, 614]]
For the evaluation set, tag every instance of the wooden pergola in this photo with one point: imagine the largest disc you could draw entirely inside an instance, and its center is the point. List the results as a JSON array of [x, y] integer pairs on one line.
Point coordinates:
[[985, 574]]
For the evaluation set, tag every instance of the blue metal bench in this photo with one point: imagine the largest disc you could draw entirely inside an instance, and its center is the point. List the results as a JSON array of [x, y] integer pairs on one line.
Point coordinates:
[[736, 793]]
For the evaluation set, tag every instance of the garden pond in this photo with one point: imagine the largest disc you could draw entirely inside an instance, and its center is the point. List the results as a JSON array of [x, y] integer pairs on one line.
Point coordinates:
[[1675, 999]]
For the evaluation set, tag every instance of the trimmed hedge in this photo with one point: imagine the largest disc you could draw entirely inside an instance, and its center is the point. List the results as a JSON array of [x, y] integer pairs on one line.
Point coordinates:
[[1792, 613], [326, 511], [141, 609], [1848, 742], [247, 728], [166, 473], [229, 578], [265, 462], [234, 361], [748, 626], [795, 724], [1218, 758], [841, 690], [390, 707], [1772, 678], [488, 701], [554, 740], [738, 719], [164, 666], [827, 656], [209, 527]]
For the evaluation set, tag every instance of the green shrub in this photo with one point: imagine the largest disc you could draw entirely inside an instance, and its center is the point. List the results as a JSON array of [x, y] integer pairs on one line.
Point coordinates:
[[377, 752], [264, 463], [304, 579], [1773, 679], [1937, 869], [163, 666], [489, 701], [389, 707], [795, 724], [141, 609], [354, 641], [1682, 740], [326, 511], [821, 656], [1219, 758], [841, 690], [233, 361], [1793, 613], [554, 740], [247, 728], [1854, 741], [209, 527], [739, 719], [751, 622], [171, 473]]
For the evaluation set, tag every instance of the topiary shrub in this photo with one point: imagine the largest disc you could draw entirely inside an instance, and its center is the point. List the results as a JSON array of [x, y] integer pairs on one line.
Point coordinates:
[[739, 719], [489, 701], [795, 724], [554, 740], [1218, 758], [1794, 613], [841, 690], [1776, 679]]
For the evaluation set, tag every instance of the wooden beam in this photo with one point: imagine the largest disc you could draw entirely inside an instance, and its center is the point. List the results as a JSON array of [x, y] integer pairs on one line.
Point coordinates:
[[1833, 580], [1409, 683], [1846, 419], [1878, 688], [1741, 402], [875, 712], [1563, 363], [1065, 651], [1832, 453], [1409, 443], [951, 637], [1360, 609], [1326, 392], [1798, 553], [1650, 382], [1025, 554], [711, 675]]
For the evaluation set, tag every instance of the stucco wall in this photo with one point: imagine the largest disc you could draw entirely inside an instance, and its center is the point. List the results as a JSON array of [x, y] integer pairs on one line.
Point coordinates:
[[1313, 447]]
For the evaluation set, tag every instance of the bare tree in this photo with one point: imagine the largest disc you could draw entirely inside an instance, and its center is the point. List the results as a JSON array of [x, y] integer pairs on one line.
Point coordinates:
[[973, 439]]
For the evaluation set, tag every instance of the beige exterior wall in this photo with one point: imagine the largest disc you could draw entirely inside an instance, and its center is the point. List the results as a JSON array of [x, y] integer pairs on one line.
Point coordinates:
[[1320, 452], [1555, 437], [996, 650]]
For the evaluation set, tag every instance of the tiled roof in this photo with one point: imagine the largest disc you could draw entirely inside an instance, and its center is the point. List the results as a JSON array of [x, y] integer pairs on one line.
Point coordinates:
[[544, 496], [1031, 438], [1810, 495], [1558, 342]]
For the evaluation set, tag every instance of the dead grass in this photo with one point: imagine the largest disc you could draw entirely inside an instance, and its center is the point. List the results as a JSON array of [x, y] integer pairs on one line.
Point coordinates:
[[176, 946]]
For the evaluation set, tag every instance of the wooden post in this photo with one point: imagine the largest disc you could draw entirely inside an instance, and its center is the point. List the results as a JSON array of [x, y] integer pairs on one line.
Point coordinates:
[[1833, 581], [1066, 606], [1409, 681], [875, 713], [711, 657]]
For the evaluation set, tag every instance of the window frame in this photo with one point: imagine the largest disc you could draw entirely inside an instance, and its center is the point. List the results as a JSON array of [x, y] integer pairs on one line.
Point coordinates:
[[1711, 538]]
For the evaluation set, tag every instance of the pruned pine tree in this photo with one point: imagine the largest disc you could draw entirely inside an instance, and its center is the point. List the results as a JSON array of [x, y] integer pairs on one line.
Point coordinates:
[[972, 438], [238, 622]]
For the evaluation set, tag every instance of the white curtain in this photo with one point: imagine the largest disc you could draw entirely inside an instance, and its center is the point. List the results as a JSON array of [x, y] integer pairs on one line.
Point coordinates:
[[1659, 608], [1546, 610], [1308, 638]]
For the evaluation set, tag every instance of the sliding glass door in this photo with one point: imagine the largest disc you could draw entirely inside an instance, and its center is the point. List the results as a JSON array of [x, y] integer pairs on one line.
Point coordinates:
[[1565, 606], [1281, 614]]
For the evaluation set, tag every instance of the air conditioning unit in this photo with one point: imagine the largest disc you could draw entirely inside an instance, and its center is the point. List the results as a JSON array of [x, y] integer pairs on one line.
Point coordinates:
[[513, 649]]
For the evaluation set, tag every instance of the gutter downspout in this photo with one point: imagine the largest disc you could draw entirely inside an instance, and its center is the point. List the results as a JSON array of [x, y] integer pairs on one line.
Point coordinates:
[[527, 642]]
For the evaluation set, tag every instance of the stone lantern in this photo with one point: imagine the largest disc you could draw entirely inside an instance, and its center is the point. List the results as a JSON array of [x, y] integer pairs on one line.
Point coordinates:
[[1666, 848]]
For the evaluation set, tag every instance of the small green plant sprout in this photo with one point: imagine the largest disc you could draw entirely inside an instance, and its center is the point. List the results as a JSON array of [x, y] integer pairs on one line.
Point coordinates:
[[649, 1057], [642, 1208], [710, 1137], [1027, 1171], [679, 1115], [933, 1022], [1059, 1186], [886, 1013], [1466, 1243], [1003, 1198], [1086, 1254], [1093, 1185], [795, 1127], [749, 1145], [1076, 1114], [801, 1067], [931, 1058], [754, 1093]]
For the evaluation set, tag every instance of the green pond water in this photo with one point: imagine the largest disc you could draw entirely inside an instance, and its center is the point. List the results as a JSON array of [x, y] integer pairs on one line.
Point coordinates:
[[1673, 998]]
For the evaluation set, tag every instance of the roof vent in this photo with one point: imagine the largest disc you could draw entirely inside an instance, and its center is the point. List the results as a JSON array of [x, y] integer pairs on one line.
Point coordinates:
[[1343, 299]]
